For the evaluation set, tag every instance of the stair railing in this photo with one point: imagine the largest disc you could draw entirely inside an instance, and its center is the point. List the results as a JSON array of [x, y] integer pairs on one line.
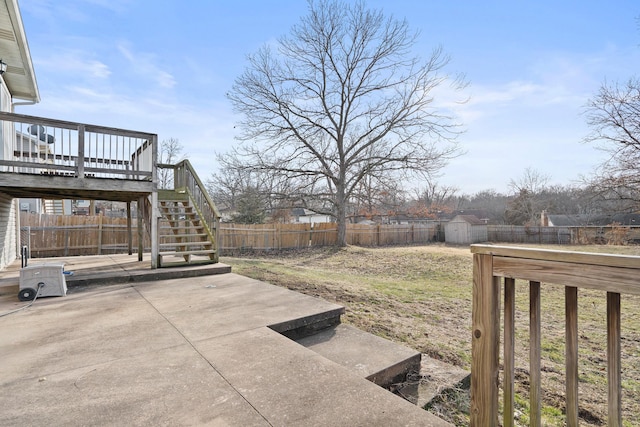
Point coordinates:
[[186, 180]]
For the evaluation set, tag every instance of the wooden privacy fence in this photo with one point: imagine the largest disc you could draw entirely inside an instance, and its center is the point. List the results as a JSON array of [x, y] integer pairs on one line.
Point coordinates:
[[59, 235], [298, 236], [613, 274], [612, 235], [73, 235]]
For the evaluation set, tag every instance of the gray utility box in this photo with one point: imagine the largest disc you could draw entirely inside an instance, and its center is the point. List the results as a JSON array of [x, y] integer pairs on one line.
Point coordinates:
[[50, 275]]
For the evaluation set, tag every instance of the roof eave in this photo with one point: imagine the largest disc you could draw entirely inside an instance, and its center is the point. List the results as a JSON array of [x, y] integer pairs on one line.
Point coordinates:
[[27, 64]]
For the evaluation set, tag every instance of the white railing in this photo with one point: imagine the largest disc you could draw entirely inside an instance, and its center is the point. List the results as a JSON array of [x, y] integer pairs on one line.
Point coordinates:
[[44, 146]]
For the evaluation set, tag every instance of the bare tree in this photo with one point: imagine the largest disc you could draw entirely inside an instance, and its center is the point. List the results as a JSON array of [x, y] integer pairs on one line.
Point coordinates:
[[528, 198], [233, 186], [437, 195], [342, 98], [170, 153], [614, 117]]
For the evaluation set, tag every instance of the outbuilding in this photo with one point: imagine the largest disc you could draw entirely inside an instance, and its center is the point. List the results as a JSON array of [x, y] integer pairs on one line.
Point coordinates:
[[465, 230]]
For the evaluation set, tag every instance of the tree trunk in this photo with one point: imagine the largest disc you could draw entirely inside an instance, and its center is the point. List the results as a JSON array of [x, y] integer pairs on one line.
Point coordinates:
[[341, 215]]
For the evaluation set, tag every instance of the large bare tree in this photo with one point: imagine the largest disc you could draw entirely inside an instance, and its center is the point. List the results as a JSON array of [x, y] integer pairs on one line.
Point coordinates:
[[614, 117], [341, 98]]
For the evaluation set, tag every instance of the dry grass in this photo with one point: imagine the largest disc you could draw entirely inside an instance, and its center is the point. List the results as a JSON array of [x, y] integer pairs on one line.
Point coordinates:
[[421, 297]]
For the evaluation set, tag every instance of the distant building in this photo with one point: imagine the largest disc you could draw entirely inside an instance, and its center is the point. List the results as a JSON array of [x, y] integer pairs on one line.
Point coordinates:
[[308, 216], [585, 220]]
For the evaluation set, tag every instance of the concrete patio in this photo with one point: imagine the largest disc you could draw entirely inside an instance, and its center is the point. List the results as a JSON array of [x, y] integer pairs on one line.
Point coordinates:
[[192, 345]]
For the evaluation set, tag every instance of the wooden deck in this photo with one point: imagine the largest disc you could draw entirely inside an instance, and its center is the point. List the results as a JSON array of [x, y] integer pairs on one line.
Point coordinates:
[[22, 185], [56, 159]]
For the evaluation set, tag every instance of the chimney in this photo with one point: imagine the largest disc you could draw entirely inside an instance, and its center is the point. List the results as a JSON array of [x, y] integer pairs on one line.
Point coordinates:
[[544, 219]]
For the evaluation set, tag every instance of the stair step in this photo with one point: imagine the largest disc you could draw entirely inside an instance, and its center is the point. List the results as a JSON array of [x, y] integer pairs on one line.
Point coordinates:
[[176, 209], [171, 196], [186, 236], [198, 245], [183, 237], [164, 225], [183, 253], [179, 217], [379, 360], [293, 385]]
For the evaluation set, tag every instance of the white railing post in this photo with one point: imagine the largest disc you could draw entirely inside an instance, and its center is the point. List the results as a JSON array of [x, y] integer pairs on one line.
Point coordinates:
[[80, 164]]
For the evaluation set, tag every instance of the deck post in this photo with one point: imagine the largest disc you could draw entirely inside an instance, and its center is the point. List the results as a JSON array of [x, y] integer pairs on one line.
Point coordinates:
[[155, 224], [485, 342], [154, 213], [141, 214], [129, 229]]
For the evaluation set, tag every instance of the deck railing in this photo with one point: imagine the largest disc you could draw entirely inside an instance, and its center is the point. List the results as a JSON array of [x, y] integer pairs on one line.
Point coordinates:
[[37, 145], [612, 274]]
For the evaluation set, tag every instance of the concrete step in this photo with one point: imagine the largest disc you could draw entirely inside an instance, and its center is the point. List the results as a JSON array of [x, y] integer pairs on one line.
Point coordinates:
[[95, 276], [435, 380], [294, 386], [379, 360]]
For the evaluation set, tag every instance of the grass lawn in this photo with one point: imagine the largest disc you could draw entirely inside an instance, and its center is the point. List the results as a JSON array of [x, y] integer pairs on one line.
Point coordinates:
[[421, 296]]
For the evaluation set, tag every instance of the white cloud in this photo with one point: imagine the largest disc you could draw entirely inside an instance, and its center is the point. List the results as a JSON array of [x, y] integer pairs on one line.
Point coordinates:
[[145, 64], [74, 64]]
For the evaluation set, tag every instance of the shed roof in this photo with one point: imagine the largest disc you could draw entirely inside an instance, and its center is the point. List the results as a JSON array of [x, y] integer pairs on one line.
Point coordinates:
[[593, 220], [471, 219]]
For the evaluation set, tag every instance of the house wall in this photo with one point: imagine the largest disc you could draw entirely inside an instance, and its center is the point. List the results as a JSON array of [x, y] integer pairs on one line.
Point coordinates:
[[8, 221], [8, 243], [313, 219]]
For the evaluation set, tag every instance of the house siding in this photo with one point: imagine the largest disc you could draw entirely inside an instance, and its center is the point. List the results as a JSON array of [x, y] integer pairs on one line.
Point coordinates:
[[8, 243]]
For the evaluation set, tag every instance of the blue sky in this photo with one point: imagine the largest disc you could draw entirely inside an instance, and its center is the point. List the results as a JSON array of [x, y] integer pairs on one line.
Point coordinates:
[[165, 66]]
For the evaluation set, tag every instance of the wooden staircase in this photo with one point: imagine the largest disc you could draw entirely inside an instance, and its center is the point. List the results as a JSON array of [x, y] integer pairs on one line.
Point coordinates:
[[183, 235]]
